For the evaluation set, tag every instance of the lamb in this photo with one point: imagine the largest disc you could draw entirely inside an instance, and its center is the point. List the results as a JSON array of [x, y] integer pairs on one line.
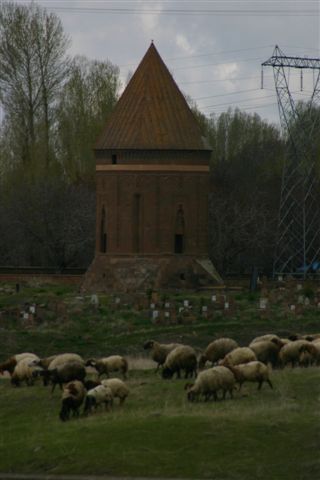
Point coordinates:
[[72, 398], [106, 365], [9, 364], [181, 358], [65, 373], [217, 350], [98, 396], [118, 387], [209, 382], [291, 352], [251, 372], [24, 372], [266, 351], [237, 356], [159, 351]]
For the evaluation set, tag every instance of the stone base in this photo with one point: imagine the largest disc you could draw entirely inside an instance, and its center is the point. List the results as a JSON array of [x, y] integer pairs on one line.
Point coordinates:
[[139, 273]]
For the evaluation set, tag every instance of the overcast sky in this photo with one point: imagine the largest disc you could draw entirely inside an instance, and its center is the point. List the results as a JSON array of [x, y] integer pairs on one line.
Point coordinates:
[[214, 49]]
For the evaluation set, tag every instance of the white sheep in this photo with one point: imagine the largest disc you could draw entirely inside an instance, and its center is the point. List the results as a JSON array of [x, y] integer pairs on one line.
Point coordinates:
[[106, 365], [9, 364], [292, 352], [269, 336], [118, 387], [217, 350], [63, 358], [237, 356], [251, 372], [159, 351], [266, 351], [24, 372], [98, 396], [209, 382], [181, 358]]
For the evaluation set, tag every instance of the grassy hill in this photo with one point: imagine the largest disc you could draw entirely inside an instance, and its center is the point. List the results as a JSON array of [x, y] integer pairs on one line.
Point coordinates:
[[258, 434]]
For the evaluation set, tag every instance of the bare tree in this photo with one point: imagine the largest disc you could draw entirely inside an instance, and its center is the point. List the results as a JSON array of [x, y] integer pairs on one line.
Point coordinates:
[[33, 66]]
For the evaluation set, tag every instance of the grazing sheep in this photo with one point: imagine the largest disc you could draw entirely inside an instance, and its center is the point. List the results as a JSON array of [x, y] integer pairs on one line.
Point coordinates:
[[266, 351], [24, 372], [217, 350], [72, 399], [209, 382], [64, 358], [118, 387], [159, 351], [9, 364], [181, 358], [114, 363], [291, 353], [65, 373], [237, 356], [251, 372], [98, 396], [268, 337]]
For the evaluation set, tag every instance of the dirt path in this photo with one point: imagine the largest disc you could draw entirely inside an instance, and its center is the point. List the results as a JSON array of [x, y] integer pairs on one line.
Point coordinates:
[[18, 476]]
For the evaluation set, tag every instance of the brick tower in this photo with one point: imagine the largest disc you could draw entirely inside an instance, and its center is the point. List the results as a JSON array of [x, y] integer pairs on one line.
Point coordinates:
[[152, 177]]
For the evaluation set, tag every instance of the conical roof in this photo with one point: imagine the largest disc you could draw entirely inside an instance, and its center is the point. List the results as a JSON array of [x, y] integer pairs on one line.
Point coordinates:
[[151, 113]]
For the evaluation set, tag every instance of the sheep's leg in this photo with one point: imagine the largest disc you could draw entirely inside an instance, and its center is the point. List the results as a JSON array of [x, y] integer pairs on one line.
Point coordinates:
[[260, 384], [178, 373], [269, 383]]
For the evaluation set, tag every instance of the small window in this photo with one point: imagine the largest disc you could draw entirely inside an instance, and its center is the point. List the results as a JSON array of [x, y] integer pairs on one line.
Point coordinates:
[[114, 159], [178, 243]]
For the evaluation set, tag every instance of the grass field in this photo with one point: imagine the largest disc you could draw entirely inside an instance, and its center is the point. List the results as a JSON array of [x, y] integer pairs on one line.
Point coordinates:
[[271, 434]]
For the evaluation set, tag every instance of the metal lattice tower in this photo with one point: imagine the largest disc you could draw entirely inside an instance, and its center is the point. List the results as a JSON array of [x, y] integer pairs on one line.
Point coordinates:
[[298, 238]]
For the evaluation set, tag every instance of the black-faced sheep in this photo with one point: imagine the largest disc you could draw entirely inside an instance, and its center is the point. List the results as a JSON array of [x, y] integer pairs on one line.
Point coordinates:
[[159, 351], [118, 387], [251, 372], [292, 352], [9, 364], [181, 358], [98, 396], [237, 356], [209, 382], [217, 350], [114, 363], [72, 399], [267, 351], [65, 373]]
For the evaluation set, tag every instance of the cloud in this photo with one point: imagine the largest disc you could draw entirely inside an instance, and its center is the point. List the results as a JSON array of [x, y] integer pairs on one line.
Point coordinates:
[[183, 43]]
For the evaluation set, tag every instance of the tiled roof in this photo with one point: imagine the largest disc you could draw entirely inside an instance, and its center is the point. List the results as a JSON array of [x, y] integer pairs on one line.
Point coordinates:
[[152, 113]]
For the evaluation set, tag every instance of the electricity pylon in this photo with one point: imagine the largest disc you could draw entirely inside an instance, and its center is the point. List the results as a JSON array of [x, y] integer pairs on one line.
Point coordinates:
[[298, 236]]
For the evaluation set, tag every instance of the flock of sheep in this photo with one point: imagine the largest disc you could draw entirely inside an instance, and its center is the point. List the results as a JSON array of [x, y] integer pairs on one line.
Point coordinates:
[[218, 368]]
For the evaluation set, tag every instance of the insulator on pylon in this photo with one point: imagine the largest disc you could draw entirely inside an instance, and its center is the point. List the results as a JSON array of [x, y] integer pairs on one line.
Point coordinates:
[[301, 80], [261, 78]]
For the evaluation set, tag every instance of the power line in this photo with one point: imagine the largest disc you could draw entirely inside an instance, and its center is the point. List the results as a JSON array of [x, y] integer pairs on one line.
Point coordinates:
[[234, 103], [227, 94]]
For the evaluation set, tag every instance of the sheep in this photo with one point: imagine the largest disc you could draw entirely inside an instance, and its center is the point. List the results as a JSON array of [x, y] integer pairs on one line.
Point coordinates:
[[268, 337], [160, 351], [118, 387], [90, 384], [64, 373], [9, 364], [217, 350], [106, 365], [266, 351], [64, 358], [291, 353], [209, 382], [237, 356], [24, 371], [181, 358], [251, 372], [72, 398], [97, 396]]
